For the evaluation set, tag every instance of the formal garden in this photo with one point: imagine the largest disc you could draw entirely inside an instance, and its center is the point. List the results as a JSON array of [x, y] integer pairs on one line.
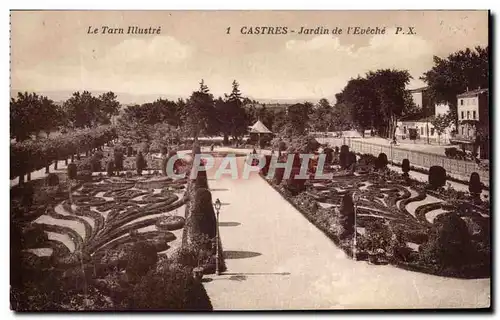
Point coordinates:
[[110, 232], [383, 217]]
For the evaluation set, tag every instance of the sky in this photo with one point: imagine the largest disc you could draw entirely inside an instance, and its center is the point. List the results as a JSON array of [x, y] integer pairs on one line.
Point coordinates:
[[52, 51]]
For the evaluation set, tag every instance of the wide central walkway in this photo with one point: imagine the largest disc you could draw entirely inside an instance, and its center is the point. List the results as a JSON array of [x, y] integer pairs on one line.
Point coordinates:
[[276, 259]]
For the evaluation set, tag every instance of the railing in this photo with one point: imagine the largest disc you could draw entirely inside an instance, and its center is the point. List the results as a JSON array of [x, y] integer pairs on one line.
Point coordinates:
[[419, 158]]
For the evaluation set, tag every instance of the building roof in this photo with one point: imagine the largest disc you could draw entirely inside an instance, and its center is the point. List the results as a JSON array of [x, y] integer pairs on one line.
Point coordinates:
[[415, 118], [421, 89], [259, 127], [472, 93]]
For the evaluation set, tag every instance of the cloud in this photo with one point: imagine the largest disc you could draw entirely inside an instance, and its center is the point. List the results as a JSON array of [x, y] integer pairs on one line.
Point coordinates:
[[321, 66], [152, 51]]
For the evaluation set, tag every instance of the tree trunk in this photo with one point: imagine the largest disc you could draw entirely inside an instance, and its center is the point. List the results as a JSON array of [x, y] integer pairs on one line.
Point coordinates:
[[66, 160], [47, 168], [72, 157], [55, 164], [28, 177], [21, 179], [226, 139]]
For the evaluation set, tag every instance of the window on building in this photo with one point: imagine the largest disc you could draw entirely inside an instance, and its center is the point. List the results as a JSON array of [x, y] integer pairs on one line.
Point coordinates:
[[468, 114], [462, 130], [432, 131], [422, 131], [461, 102], [468, 131], [474, 114], [462, 114]]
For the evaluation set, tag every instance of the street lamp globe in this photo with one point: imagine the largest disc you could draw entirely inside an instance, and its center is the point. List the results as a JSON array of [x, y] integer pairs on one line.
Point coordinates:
[[217, 204]]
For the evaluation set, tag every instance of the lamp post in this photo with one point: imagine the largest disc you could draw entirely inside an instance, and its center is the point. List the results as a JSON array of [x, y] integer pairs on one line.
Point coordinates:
[[217, 206], [355, 199]]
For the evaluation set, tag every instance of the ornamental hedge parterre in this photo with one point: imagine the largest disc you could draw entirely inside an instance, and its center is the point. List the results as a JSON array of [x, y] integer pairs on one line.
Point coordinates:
[[30, 155], [397, 215]]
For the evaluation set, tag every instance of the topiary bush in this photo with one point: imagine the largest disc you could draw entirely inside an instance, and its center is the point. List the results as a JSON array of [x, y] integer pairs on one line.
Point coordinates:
[[351, 163], [449, 242], [437, 177], [72, 171], [95, 163], [140, 163], [382, 161], [475, 185], [110, 168], [346, 216], [344, 156], [52, 180], [294, 185], [406, 167], [328, 155], [118, 159]]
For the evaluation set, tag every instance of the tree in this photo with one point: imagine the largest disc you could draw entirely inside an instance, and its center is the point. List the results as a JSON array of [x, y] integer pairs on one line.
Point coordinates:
[[108, 107], [31, 113], [231, 115], [341, 117], [51, 116], [321, 116], [199, 113], [461, 70], [390, 88], [297, 119], [441, 122]]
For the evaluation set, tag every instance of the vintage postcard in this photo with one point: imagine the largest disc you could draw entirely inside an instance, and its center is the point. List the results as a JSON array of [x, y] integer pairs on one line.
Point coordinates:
[[249, 160]]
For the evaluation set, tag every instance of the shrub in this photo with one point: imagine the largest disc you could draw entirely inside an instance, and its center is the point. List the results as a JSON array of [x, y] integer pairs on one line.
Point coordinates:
[[278, 175], [437, 177], [344, 157], [95, 163], [346, 217], [118, 159], [169, 287], [449, 242], [475, 185], [328, 155], [293, 185], [140, 163], [382, 161], [140, 259], [27, 193], [52, 180], [406, 167], [72, 171], [110, 168], [352, 160]]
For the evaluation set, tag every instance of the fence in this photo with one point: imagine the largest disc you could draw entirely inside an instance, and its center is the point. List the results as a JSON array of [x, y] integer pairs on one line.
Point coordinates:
[[421, 159]]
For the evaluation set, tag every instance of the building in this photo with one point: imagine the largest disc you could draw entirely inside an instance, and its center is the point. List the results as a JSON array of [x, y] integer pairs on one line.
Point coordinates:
[[421, 122], [421, 98], [473, 114]]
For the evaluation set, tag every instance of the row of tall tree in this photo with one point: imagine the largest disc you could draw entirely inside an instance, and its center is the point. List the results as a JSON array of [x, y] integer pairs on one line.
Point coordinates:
[[31, 113], [201, 114]]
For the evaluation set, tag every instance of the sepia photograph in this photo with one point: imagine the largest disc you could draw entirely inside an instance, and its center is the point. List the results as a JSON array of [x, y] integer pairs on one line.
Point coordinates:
[[250, 160]]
